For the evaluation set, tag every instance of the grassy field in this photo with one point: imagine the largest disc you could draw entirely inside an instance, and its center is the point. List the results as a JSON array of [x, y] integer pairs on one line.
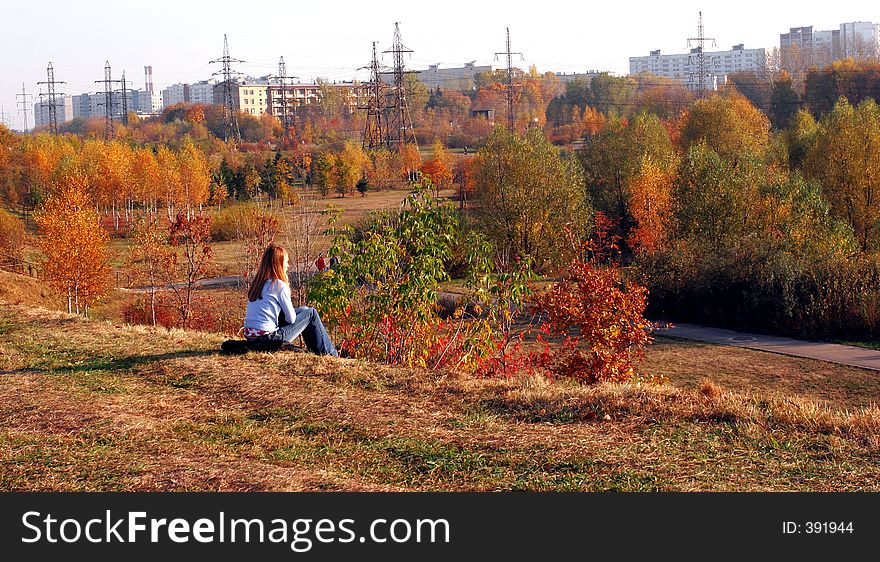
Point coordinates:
[[228, 255], [94, 405]]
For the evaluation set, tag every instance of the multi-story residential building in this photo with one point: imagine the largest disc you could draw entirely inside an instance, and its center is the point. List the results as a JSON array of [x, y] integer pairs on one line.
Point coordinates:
[[804, 47], [685, 66], [202, 92], [144, 102], [860, 39], [81, 106], [176, 93], [295, 96], [141, 102], [300, 95], [459, 78], [247, 97], [63, 111], [156, 102], [800, 37]]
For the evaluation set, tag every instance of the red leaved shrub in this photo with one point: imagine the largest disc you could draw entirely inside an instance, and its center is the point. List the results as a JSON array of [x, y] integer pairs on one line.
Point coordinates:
[[604, 310]]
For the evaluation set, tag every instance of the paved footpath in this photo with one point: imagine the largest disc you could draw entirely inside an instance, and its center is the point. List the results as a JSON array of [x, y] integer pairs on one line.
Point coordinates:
[[831, 352]]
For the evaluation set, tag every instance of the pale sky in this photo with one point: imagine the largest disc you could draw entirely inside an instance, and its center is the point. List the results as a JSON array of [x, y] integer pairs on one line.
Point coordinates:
[[332, 39]]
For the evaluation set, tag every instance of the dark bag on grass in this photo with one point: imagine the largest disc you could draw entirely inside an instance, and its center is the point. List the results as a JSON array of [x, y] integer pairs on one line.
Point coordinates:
[[238, 347]]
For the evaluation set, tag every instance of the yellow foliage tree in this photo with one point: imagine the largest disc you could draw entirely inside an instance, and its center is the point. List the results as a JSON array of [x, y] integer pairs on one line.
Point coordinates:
[[845, 159], [409, 159], [651, 206], [168, 186], [144, 177], [75, 246], [729, 125], [351, 164], [195, 176]]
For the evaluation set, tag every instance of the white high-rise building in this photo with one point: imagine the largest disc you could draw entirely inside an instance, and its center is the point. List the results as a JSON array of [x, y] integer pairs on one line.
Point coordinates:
[[685, 67]]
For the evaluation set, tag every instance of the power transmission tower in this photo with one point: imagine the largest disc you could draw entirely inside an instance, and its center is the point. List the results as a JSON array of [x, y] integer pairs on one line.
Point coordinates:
[[701, 41], [3, 116], [285, 113], [399, 128], [24, 105], [108, 100], [230, 118], [124, 100], [52, 104], [510, 113], [374, 131]]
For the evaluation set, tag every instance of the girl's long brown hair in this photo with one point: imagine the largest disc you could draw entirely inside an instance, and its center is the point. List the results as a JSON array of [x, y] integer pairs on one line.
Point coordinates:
[[271, 267]]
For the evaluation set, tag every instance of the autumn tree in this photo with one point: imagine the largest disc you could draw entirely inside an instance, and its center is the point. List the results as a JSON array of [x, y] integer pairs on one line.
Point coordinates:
[[784, 101], [190, 261], [144, 177], [799, 137], [606, 309], [41, 155], [855, 80], [150, 255], [438, 172], [350, 167], [9, 172], [528, 198], [845, 159], [381, 171], [12, 238], [168, 185], [463, 175], [729, 125], [75, 247], [218, 191], [253, 181], [714, 197], [651, 206], [409, 159], [108, 165], [614, 155], [324, 172], [195, 176]]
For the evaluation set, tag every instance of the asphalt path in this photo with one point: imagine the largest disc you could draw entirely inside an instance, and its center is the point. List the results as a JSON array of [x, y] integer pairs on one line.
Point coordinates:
[[831, 352]]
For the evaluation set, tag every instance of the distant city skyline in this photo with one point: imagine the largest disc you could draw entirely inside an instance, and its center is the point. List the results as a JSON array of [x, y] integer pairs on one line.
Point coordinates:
[[333, 40]]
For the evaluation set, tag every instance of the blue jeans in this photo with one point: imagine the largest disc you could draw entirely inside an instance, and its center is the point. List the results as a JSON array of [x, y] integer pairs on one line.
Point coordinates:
[[308, 324]]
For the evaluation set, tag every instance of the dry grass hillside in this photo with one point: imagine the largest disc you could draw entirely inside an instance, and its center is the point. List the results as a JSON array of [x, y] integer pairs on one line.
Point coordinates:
[[92, 405]]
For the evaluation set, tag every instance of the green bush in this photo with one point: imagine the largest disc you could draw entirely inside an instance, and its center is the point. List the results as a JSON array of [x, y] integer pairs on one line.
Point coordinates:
[[833, 299]]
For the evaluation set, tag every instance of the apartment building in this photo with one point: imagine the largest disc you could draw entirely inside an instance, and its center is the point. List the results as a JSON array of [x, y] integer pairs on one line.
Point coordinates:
[[63, 111], [685, 67], [460, 78], [806, 47], [352, 95], [176, 93]]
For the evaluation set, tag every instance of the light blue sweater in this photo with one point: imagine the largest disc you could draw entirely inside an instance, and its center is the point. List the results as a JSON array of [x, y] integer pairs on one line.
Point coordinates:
[[262, 314]]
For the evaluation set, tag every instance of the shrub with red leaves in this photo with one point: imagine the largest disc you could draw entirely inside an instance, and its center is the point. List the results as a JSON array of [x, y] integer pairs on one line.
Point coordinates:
[[606, 312]]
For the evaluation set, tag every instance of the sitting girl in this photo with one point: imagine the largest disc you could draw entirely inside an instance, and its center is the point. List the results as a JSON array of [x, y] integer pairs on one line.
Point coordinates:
[[270, 313]]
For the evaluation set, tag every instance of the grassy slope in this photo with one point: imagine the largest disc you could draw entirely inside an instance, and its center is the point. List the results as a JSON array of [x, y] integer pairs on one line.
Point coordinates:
[[96, 405]]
